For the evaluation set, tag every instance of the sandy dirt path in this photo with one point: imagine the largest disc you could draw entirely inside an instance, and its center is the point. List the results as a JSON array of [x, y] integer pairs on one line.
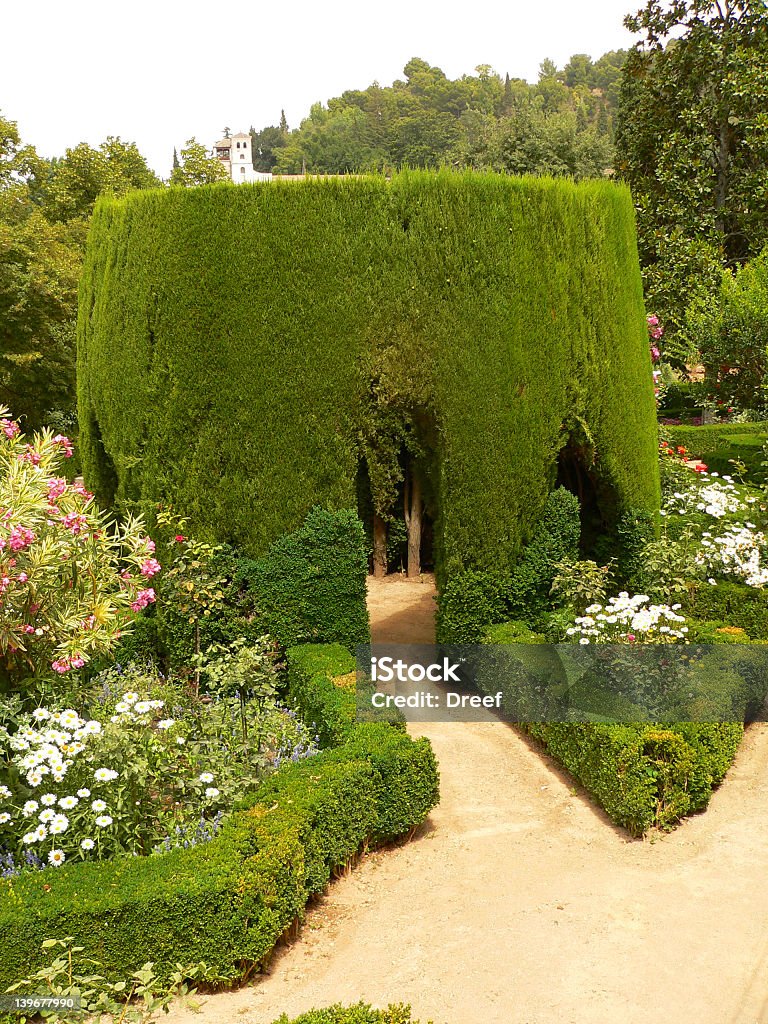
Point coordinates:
[[519, 903]]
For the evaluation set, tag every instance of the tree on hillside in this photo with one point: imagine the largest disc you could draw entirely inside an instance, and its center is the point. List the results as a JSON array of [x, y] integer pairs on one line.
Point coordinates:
[[197, 167], [73, 183], [692, 142], [39, 270]]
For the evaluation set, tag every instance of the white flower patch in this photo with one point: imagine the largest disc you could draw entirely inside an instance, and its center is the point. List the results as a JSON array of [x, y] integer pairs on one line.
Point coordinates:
[[629, 620], [739, 553], [712, 497]]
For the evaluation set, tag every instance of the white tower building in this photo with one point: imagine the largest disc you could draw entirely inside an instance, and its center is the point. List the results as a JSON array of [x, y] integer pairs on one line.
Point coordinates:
[[237, 156]]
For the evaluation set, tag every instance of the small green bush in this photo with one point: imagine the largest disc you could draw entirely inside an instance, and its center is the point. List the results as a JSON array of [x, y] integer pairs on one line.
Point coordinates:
[[644, 775], [361, 1013], [310, 586]]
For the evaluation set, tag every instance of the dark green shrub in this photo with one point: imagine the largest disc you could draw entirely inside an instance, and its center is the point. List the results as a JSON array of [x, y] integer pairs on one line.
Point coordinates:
[[469, 601], [310, 586], [227, 338], [555, 540], [732, 603]]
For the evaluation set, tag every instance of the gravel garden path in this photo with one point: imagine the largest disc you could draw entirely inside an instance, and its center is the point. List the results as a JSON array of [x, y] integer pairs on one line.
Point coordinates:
[[519, 903]]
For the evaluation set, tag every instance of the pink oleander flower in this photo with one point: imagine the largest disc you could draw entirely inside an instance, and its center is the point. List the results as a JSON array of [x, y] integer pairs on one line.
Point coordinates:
[[10, 429], [74, 522], [22, 577], [30, 455], [655, 353], [34, 609], [28, 629], [652, 320], [143, 598], [60, 666], [149, 567], [179, 538], [57, 485], [20, 538], [149, 544], [77, 488], [66, 445]]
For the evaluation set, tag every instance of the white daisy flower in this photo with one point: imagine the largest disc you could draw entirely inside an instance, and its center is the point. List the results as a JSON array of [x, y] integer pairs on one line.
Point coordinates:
[[98, 806], [87, 844], [206, 777], [103, 821], [211, 792], [104, 775], [41, 714], [165, 723], [4, 792], [40, 833], [83, 793], [59, 823], [48, 799], [56, 857], [68, 802], [4, 818], [34, 778], [47, 815], [29, 808]]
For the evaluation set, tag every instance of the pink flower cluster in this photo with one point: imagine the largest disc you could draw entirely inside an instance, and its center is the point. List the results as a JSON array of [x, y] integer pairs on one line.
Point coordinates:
[[66, 664], [57, 485], [30, 455], [66, 445], [143, 598], [149, 567], [75, 523], [9, 428], [20, 538]]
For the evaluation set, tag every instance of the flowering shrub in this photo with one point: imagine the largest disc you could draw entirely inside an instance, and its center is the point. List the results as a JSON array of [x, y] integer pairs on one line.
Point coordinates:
[[716, 498], [143, 772], [738, 553], [68, 581], [626, 619]]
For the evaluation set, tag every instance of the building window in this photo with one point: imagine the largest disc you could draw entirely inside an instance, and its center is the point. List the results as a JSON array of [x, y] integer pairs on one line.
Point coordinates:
[[242, 170]]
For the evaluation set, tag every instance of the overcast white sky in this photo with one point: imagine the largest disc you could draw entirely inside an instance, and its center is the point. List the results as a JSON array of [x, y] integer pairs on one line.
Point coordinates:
[[159, 71]]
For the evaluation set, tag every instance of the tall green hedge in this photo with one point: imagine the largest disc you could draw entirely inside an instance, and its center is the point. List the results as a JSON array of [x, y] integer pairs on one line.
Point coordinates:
[[227, 340]]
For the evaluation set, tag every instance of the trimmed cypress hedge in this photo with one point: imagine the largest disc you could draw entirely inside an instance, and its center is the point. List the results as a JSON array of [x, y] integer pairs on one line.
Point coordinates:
[[228, 901], [717, 443], [229, 339], [733, 603]]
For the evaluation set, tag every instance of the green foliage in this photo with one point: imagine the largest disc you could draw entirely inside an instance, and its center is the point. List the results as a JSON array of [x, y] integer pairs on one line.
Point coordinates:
[[559, 126], [209, 395], [692, 143], [197, 167], [468, 602], [732, 603], [310, 586], [644, 776], [360, 1013], [228, 902], [555, 541], [71, 976], [580, 584], [732, 335], [717, 444]]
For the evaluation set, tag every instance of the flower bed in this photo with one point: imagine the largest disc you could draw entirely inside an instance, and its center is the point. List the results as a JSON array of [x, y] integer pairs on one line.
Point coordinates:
[[227, 902]]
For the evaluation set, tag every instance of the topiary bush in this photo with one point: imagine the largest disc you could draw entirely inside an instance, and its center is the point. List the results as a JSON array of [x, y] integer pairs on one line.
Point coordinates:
[[229, 341], [717, 444], [736, 604]]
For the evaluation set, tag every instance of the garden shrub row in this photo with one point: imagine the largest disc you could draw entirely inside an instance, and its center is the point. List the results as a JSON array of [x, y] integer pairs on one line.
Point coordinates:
[[717, 443], [226, 334], [643, 775], [227, 902], [734, 604]]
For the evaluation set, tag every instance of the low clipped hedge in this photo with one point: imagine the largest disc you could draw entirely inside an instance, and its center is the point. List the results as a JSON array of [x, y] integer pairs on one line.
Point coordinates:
[[733, 603], [360, 1013], [717, 443], [643, 775], [227, 902]]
